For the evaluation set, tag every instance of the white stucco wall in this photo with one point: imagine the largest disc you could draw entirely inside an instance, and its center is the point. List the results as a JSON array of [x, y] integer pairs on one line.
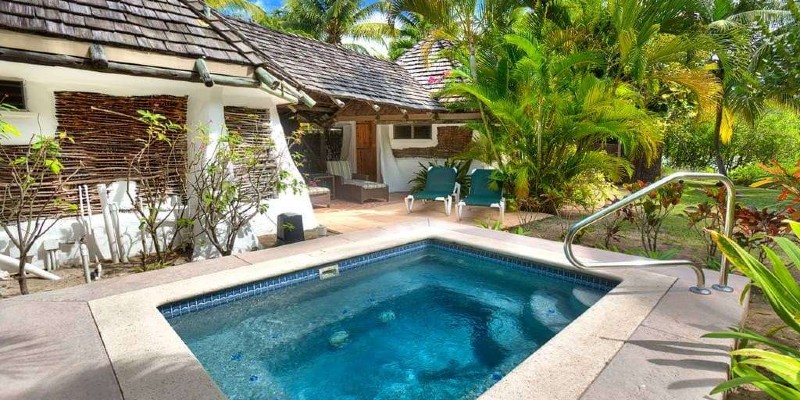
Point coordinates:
[[205, 108], [396, 172]]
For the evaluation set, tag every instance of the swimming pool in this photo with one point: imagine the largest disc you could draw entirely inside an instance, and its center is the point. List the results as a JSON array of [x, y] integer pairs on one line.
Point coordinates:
[[427, 319]]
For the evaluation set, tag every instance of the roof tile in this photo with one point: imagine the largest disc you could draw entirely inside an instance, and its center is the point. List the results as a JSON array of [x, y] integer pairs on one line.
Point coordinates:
[[336, 71], [139, 24]]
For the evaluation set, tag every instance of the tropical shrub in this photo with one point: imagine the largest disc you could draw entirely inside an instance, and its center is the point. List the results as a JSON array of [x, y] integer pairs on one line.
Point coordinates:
[[651, 211], [233, 182], [164, 217], [613, 226], [787, 180], [776, 369], [747, 175], [708, 216], [32, 192], [544, 121], [689, 144]]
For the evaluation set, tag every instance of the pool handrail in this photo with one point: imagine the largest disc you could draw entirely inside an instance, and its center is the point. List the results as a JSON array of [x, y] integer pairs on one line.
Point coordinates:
[[680, 176]]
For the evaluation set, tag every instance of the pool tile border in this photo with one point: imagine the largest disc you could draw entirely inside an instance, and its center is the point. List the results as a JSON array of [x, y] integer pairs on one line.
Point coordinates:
[[220, 297]]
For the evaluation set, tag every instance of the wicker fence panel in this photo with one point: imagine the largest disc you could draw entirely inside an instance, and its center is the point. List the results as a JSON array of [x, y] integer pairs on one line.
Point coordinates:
[[253, 125], [105, 140]]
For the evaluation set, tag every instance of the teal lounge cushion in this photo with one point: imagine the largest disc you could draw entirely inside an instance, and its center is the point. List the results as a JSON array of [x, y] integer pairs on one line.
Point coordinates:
[[482, 185], [440, 180], [482, 201], [431, 195]]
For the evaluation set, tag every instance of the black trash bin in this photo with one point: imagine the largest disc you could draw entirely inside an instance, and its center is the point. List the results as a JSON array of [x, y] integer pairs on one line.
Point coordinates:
[[290, 228]]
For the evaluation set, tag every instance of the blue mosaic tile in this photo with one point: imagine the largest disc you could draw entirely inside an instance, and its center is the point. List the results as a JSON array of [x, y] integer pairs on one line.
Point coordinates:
[[225, 296]]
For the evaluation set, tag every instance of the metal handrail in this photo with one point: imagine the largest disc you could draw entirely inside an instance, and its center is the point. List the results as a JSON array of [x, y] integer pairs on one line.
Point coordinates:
[[701, 280]]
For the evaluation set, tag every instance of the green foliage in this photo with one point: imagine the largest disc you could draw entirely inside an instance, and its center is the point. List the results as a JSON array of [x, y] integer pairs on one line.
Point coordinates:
[[544, 119], [236, 176], [32, 194], [747, 175], [614, 225], [334, 20], [651, 211], [462, 175], [778, 57], [787, 179], [155, 201], [490, 224], [7, 129], [689, 144], [775, 370], [705, 217]]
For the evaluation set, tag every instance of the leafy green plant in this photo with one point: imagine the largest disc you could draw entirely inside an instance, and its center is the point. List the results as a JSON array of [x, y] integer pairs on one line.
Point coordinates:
[[520, 230], [32, 192], [705, 217], [746, 175], [7, 129], [652, 210], [490, 224], [613, 226], [775, 370], [155, 169], [236, 176]]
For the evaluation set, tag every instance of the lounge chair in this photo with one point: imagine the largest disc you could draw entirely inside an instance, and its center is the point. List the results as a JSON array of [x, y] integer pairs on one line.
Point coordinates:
[[440, 185], [481, 194], [354, 187]]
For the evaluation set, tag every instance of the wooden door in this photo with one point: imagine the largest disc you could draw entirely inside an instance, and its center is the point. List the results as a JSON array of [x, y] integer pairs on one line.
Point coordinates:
[[366, 150]]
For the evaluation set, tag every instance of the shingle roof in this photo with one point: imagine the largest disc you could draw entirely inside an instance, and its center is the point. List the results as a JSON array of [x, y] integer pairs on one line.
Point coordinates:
[[430, 73], [336, 71], [176, 27]]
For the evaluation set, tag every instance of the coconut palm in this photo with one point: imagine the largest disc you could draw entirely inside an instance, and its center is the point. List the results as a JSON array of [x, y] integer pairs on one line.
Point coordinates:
[[547, 116], [333, 20], [778, 56], [729, 24], [463, 23]]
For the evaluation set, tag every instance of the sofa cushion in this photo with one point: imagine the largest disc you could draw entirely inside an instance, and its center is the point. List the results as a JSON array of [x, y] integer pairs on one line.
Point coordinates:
[[318, 190]]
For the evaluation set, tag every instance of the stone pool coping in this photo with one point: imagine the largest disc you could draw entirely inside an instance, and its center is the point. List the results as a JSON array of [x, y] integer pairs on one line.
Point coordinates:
[[150, 361]]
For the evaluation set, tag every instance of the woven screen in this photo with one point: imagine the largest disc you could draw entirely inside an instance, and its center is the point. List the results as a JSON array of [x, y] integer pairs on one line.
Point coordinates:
[[253, 125], [104, 142]]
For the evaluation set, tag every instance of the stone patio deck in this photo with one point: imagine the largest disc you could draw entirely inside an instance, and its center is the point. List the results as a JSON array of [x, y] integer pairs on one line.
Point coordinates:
[[344, 217], [52, 347]]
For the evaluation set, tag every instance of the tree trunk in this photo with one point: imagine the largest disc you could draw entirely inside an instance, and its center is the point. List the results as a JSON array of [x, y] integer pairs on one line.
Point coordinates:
[[23, 280], [642, 171], [718, 141]]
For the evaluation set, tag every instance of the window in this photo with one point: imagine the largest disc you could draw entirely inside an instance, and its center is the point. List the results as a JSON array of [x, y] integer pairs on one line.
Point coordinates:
[[413, 132], [12, 94]]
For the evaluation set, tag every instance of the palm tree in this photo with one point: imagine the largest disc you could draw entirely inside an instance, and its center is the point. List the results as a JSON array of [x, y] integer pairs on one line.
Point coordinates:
[[328, 20], [729, 24], [410, 29], [547, 113], [463, 23], [333, 20]]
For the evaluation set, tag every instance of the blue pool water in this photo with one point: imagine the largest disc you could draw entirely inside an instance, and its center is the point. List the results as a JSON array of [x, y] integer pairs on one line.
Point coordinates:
[[428, 324]]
